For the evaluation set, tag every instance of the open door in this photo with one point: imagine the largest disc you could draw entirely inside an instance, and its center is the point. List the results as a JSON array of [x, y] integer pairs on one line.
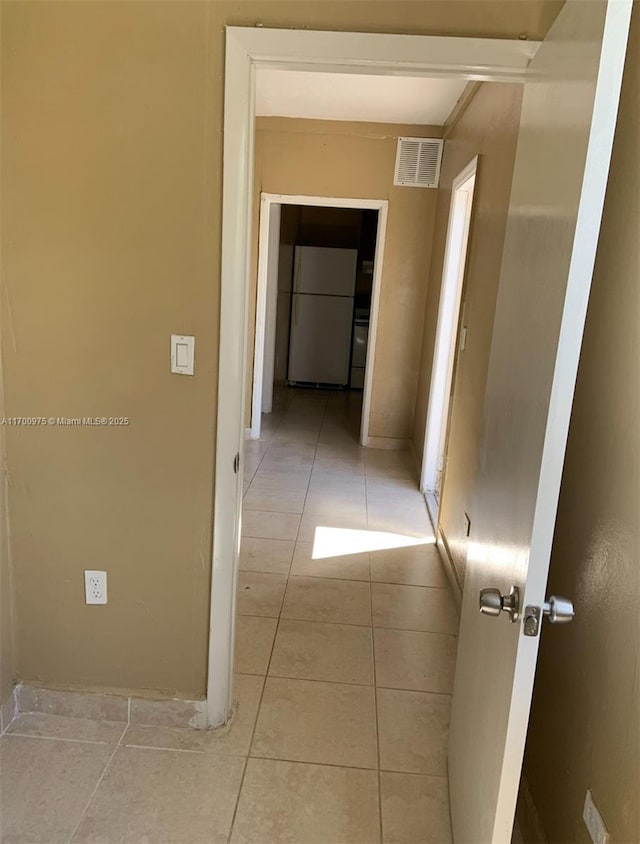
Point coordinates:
[[567, 126]]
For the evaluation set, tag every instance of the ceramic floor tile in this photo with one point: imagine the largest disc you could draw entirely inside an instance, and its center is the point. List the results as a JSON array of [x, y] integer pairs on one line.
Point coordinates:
[[262, 524], [259, 593], [330, 506], [163, 796], [312, 561], [331, 485], [311, 650], [267, 555], [322, 599], [401, 522], [295, 803], [314, 526], [275, 500], [421, 661], [414, 608], [233, 739], [296, 481], [415, 809], [413, 729], [43, 725], [254, 640], [389, 464], [309, 721], [417, 565], [45, 785]]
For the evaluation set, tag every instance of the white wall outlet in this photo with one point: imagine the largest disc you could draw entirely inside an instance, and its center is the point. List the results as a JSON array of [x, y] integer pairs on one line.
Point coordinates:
[[593, 821], [95, 587]]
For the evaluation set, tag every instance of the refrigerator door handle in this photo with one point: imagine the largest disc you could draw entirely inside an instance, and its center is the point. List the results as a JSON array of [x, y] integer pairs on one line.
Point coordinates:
[[296, 298]]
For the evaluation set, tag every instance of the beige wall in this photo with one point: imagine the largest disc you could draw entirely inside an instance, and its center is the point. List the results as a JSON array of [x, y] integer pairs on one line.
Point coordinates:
[[584, 730], [327, 158], [112, 163], [7, 662], [487, 128]]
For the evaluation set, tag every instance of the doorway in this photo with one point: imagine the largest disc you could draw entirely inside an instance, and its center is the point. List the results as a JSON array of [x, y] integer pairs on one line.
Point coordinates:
[[448, 332], [382, 56], [299, 228], [522, 301]]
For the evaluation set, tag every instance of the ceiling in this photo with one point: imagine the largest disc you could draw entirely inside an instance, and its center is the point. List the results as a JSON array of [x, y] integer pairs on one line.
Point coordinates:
[[379, 99]]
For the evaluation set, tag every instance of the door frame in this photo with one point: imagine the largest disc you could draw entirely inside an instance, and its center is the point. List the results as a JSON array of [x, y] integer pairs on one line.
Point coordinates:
[[447, 334], [247, 48], [267, 201]]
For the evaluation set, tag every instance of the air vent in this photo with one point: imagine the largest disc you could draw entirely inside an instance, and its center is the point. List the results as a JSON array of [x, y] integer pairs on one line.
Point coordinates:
[[418, 162]]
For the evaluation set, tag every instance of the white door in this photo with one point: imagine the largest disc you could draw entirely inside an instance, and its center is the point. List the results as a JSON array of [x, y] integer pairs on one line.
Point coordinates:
[[561, 167]]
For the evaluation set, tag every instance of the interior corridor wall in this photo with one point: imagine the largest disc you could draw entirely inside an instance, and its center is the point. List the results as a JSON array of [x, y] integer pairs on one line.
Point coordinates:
[[487, 128], [357, 160], [7, 661]]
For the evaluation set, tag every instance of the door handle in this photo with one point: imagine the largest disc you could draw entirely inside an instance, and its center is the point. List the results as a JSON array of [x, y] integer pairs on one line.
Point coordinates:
[[493, 602], [557, 609]]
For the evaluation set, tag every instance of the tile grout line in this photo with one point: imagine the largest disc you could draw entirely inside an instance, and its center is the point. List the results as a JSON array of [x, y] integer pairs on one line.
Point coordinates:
[[351, 624], [264, 684], [55, 738], [97, 786], [373, 656], [273, 644], [344, 682]]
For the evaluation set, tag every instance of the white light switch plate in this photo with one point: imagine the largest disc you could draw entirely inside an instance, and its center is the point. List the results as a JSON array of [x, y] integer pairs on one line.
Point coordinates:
[[182, 354]]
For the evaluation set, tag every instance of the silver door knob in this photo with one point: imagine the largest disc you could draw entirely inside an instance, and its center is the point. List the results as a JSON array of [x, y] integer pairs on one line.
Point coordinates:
[[493, 602], [559, 610]]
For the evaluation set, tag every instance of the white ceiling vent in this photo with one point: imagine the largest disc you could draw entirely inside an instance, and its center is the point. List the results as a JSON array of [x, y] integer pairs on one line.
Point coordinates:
[[418, 162]]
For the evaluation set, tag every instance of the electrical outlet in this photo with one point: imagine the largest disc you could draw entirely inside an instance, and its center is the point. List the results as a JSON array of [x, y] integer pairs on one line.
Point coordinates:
[[95, 587], [593, 821]]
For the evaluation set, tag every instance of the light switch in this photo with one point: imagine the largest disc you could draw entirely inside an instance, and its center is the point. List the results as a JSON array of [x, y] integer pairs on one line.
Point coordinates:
[[182, 354]]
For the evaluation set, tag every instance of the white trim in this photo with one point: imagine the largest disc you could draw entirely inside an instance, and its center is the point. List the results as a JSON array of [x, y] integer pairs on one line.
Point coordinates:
[[449, 567], [372, 337], [353, 52], [267, 200], [388, 443], [261, 318], [227, 500], [273, 280], [444, 352]]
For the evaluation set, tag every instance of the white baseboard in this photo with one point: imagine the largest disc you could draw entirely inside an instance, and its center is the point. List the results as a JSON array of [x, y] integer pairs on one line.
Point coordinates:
[[171, 712], [388, 443], [447, 562]]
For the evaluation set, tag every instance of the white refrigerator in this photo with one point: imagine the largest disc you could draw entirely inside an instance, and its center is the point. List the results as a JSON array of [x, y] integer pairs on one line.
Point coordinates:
[[324, 282]]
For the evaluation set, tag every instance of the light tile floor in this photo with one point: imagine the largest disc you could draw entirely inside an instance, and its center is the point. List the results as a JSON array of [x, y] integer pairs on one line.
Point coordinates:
[[345, 658]]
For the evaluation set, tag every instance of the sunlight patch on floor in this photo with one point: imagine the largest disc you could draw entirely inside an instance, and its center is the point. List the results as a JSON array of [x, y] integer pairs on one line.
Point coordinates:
[[339, 542]]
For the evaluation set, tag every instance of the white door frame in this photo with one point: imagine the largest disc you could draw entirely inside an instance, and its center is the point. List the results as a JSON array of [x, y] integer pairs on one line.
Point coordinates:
[[444, 352], [265, 315], [267, 201], [477, 59]]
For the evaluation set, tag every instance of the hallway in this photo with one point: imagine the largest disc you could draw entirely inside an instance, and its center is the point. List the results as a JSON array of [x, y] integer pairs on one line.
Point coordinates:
[[344, 607], [345, 658]]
